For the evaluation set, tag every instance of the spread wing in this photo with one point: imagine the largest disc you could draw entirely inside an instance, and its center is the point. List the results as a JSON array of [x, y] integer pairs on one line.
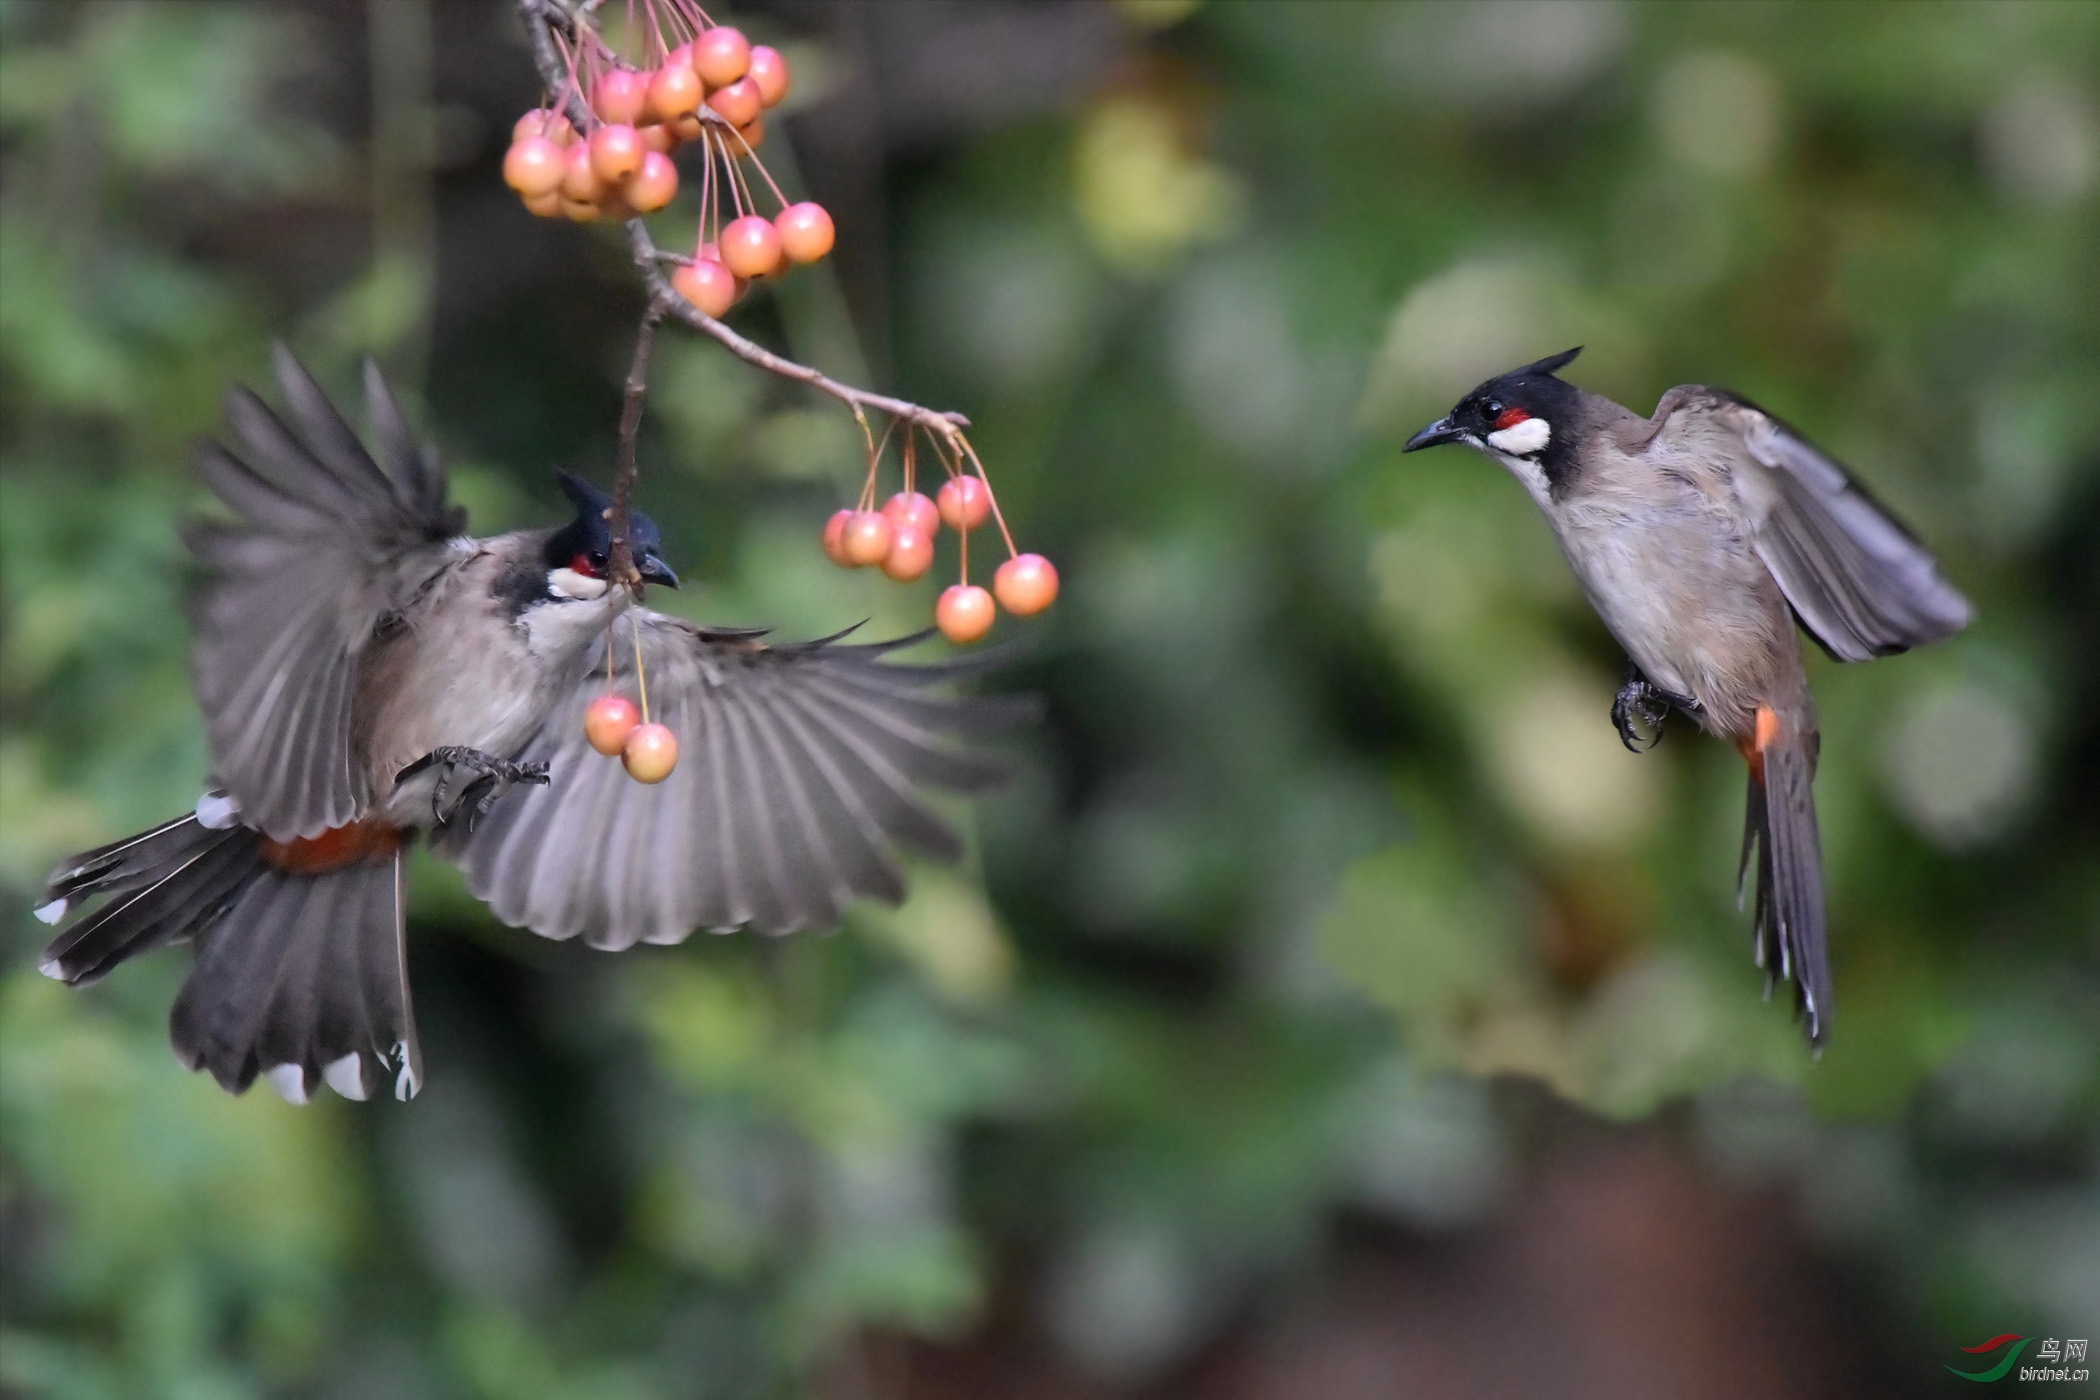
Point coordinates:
[[294, 585], [801, 769], [1858, 581]]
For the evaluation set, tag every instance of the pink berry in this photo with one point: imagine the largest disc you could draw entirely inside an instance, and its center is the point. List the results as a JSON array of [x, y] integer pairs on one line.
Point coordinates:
[[914, 509], [964, 502], [534, 166], [721, 55], [866, 538], [770, 72], [1026, 583], [739, 102], [608, 721], [620, 97], [835, 538], [706, 284], [806, 233], [964, 612], [651, 752], [750, 246], [911, 553]]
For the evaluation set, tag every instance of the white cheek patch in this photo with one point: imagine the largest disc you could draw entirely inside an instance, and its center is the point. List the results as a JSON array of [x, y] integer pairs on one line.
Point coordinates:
[[567, 583], [1522, 439]]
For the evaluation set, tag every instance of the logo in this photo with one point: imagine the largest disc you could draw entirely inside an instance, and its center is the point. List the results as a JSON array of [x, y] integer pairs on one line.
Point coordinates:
[[2051, 1349]]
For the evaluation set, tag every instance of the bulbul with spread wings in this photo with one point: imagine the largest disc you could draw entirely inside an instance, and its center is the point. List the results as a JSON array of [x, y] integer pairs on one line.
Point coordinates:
[[368, 671]]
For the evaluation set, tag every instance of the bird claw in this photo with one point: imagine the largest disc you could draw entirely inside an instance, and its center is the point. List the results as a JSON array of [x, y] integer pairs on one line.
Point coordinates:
[[1651, 705], [493, 777]]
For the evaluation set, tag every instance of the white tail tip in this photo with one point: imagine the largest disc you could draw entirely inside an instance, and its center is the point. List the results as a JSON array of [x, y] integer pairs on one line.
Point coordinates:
[[290, 1083], [347, 1077], [217, 811]]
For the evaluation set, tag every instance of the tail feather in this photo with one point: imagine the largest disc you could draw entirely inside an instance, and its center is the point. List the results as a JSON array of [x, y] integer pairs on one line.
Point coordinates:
[[194, 890], [122, 864], [299, 977], [1780, 822], [264, 998]]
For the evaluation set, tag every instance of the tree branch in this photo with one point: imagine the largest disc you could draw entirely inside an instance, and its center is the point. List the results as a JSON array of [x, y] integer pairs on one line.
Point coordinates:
[[619, 562]]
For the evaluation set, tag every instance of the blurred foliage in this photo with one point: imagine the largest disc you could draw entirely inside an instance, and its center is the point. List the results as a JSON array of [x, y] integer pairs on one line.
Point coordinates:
[[1327, 826]]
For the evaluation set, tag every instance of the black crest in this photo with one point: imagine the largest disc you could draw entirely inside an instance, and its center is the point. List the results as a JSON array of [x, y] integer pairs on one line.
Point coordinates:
[[590, 534]]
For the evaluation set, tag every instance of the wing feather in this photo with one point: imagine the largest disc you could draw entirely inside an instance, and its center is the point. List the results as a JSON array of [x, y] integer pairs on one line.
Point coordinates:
[[803, 773], [294, 586], [1860, 583]]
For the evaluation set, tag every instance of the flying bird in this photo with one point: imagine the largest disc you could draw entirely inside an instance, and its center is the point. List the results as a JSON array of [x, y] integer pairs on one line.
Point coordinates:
[[1701, 535], [368, 672]]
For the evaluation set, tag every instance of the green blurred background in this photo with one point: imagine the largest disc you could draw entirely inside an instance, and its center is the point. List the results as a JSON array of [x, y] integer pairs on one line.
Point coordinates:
[[1334, 1008]]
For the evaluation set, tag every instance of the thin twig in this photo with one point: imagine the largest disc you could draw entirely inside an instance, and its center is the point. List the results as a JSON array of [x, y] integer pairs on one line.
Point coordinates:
[[648, 259], [619, 562]]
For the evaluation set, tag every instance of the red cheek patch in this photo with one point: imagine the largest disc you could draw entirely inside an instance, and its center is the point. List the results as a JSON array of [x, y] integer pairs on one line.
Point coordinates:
[[1510, 417], [582, 564]]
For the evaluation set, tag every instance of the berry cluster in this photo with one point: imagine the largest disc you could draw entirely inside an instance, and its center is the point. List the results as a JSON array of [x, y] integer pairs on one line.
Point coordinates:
[[613, 725], [703, 85], [899, 538]]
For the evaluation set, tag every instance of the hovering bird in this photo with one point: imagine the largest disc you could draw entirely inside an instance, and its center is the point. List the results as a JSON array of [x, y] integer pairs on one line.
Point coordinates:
[[367, 672], [1701, 535]]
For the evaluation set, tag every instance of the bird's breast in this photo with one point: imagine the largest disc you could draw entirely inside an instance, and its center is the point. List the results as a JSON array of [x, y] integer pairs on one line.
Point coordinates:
[[464, 672], [1683, 593]]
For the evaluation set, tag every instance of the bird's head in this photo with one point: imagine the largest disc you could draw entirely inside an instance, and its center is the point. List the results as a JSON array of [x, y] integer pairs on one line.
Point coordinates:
[[1524, 415], [576, 554]]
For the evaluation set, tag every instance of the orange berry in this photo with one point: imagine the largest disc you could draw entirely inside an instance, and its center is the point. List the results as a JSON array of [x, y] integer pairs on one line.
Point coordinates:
[[914, 509], [616, 152], [533, 166], [1026, 583], [654, 185], [651, 752], [750, 246], [964, 502], [770, 71], [579, 211], [674, 90], [835, 538], [739, 102], [660, 138], [689, 127], [911, 553], [580, 182], [753, 133], [964, 612], [608, 721], [620, 97], [805, 231], [551, 126], [867, 538], [706, 284], [713, 253], [547, 206], [721, 55]]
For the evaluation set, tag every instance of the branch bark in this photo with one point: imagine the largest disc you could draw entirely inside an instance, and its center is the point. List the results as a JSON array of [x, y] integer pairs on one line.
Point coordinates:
[[619, 559]]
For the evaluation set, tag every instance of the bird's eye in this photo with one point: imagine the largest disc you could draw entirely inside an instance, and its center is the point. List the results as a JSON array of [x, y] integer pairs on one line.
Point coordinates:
[[586, 564], [1491, 410]]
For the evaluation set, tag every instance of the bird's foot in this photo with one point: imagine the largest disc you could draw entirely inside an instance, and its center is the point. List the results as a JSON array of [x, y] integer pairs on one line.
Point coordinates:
[[1650, 704], [492, 778]]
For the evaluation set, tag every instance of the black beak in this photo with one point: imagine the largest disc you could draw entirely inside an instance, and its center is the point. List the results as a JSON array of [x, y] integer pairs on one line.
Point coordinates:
[[1435, 434], [655, 570]]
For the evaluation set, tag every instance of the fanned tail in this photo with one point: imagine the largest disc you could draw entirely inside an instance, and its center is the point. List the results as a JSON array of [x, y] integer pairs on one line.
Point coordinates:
[[298, 978]]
